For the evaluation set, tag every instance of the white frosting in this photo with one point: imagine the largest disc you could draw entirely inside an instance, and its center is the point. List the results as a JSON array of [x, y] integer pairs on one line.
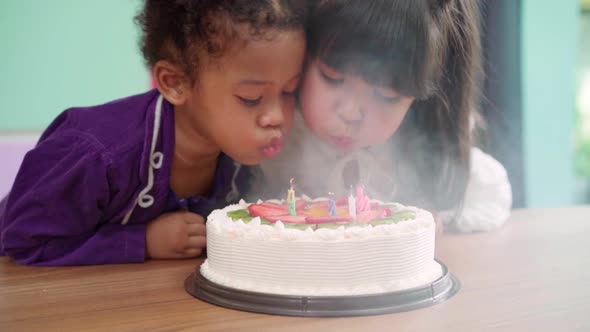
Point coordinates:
[[355, 260]]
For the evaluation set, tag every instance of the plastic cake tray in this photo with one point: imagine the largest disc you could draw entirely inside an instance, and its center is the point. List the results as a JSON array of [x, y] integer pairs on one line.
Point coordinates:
[[324, 306]]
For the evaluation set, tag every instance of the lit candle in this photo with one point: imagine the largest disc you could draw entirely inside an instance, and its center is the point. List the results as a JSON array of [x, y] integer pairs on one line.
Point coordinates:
[[351, 205], [291, 198], [332, 204]]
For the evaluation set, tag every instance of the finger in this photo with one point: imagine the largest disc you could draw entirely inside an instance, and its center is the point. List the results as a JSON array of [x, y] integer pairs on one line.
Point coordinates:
[[186, 253], [193, 218], [193, 252], [196, 229], [196, 242]]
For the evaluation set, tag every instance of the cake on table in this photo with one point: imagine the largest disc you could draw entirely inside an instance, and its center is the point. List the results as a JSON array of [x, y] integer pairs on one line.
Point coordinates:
[[321, 247]]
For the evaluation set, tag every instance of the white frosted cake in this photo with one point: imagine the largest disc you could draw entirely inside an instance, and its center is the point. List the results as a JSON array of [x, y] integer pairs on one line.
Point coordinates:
[[265, 248]]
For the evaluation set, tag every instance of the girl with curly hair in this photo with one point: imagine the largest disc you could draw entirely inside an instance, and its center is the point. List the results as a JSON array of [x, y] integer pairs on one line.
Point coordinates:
[[133, 178]]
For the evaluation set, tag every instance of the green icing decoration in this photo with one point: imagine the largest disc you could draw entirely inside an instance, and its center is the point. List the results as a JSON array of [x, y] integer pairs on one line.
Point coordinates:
[[395, 218], [240, 214], [403, 215], [298, 226]]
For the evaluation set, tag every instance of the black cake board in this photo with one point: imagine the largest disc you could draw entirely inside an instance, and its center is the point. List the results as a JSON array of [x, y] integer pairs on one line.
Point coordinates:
[[324, 306]]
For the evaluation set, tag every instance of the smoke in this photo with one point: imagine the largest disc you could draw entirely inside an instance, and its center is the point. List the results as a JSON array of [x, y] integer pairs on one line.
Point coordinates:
[[385, 173]]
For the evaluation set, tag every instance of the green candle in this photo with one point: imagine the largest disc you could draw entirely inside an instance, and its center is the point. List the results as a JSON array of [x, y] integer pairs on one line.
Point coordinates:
[[291, 199]]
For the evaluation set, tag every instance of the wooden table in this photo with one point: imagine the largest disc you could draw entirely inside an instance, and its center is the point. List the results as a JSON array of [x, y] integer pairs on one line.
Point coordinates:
[[531, 275]]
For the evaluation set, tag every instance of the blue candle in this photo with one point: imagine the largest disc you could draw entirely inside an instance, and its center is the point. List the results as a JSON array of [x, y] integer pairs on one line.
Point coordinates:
[[332, 205]]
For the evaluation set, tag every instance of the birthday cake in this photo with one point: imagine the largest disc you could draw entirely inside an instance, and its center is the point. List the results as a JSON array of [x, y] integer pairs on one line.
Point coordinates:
[[321, 247]]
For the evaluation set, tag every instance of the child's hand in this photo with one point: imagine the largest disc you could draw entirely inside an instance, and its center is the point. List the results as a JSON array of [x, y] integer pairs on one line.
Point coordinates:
[[176, 235]]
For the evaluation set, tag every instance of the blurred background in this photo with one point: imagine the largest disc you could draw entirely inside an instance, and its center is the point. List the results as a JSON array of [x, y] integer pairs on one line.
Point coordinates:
[[62, 53]]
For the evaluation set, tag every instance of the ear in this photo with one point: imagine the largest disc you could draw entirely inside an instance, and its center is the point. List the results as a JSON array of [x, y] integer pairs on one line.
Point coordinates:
[[171, 82]]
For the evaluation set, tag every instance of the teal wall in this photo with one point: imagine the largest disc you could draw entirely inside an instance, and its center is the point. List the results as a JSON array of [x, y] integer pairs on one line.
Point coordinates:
[[549, 48], [61, 53]]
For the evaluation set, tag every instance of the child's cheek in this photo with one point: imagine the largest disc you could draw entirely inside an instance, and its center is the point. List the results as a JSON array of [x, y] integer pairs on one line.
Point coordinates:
[[312, 120], [379, 129], [314, 110]]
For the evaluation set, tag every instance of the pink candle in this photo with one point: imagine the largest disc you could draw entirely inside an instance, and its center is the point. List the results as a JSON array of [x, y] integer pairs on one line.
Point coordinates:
[[362, 201]]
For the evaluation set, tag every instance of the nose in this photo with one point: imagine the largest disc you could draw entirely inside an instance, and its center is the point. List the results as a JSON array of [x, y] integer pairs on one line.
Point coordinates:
[[349, 111], [272, 117]]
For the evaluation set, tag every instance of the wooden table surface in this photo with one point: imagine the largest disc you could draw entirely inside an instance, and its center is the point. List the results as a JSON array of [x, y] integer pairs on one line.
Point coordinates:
[[531, 275]]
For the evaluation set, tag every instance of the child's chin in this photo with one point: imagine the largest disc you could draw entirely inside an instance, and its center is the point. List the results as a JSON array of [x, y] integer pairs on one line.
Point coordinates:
[[345, 148], [250, 161]]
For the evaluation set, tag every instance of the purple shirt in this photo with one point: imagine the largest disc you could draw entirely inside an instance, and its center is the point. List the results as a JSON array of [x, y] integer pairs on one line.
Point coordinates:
[[94, 180]]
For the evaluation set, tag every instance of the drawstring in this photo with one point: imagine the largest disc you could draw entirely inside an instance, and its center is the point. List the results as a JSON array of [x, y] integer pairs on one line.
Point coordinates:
[[145, 200]]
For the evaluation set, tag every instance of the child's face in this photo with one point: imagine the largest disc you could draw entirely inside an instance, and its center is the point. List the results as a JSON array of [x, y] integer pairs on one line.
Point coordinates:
[[346, 111], [243, 103]]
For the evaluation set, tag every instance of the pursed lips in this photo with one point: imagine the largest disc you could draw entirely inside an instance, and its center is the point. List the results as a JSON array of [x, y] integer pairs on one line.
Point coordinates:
[[342, 142], [274, 148]]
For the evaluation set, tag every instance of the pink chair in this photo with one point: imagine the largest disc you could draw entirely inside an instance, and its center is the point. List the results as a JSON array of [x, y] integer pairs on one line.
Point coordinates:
[[12, 151]]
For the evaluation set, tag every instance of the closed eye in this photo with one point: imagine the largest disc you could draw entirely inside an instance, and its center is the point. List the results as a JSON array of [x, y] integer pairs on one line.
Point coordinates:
[[331, 79], [249, 102], [290, 93], [386, 98]]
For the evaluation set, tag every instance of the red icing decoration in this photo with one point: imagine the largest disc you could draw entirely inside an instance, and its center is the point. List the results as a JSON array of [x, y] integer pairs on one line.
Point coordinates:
[[329, 219], [388, 212], [287, 218], [370, 215], [275, 206], [265, 210], [324, 204]]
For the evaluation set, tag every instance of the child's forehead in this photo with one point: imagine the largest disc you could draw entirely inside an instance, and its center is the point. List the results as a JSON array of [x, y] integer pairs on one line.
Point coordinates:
[[367, 67], [244, 40], [247, 50], [257, 59]]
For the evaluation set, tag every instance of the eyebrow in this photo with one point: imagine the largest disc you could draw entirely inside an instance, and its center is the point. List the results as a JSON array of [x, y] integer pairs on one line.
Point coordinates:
[[261, 82], [253, 82]]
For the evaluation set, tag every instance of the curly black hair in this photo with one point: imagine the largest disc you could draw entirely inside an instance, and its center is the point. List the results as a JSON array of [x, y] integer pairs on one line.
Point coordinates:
[[184, 31]]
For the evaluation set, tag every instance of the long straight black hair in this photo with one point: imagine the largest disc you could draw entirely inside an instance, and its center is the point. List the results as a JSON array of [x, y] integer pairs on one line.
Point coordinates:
[[428, 49]]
